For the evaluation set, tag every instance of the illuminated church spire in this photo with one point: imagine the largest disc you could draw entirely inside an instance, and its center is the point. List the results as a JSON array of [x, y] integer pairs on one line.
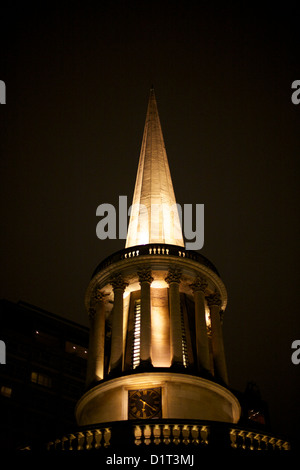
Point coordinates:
[[154, 216], [156, 311]]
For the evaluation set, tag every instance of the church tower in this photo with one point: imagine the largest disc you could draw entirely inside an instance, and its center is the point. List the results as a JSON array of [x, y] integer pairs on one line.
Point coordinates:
[[156, 310]]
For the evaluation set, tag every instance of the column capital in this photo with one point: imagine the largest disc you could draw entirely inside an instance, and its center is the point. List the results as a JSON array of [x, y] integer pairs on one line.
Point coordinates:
[[200, 284], [214, 300], [97, 296], [145, 274], [117, 281], [92, 313], [174, 275]]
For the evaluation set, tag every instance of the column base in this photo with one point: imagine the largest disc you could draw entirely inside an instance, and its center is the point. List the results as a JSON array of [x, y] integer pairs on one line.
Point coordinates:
[[116, 370], [206, 374], [178, 366], [144, 365]]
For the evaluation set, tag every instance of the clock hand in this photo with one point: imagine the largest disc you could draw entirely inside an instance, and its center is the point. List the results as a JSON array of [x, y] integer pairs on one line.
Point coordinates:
[[145, 403]]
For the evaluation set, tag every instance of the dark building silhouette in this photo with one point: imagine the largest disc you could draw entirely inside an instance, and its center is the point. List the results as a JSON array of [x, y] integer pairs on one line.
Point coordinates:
[[44, 374]]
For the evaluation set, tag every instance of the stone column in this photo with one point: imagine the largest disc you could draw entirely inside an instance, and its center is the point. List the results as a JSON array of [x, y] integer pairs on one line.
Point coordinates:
[[202, 345], [95, 365], [173, 279], [145, 279], [214, 303], [116, 354]]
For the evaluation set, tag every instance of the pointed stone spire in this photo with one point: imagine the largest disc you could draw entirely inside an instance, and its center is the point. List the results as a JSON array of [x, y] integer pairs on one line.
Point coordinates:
[[154, 216]]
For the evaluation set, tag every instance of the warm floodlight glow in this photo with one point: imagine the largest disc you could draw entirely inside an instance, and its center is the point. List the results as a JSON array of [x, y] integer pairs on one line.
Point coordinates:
[[159, 284], [137, 335], [207, 317], [143, 238], [154, 214], [160, 328]]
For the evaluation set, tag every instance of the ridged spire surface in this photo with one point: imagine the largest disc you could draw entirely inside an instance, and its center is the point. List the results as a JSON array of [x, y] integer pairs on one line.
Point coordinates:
[[154, 216]]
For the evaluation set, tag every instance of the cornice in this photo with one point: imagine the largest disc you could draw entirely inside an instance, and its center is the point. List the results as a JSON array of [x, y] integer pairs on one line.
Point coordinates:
[[160, 262]]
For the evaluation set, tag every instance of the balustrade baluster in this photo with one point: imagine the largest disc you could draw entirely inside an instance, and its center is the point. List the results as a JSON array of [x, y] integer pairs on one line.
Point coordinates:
[[137, 435], [186, 434], [272, 442], [98, 438], [157, 434], [279, 444], [250, 436], [195, 435], [57, 443], [147, 434], [176, 434], [166, 434], [233, 438], [107, 436], [243, 436], [64, 439], [257, 437]]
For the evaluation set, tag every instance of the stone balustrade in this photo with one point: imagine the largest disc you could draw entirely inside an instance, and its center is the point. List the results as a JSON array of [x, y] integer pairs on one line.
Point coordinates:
[[155, 249], [251, 440], [86, 439], [159, 434], [171, 434]]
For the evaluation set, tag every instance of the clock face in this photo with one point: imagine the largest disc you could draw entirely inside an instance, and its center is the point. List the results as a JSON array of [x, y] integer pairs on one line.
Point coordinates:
[[144, 403]]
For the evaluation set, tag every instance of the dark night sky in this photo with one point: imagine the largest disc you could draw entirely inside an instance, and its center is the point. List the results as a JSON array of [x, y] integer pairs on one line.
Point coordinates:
[[78, 80]]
